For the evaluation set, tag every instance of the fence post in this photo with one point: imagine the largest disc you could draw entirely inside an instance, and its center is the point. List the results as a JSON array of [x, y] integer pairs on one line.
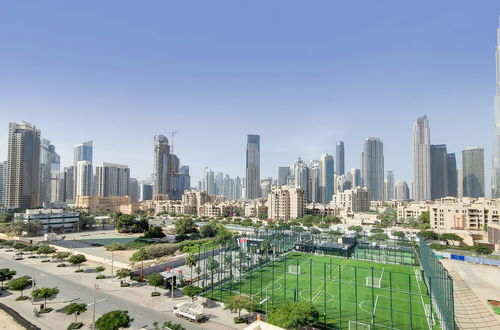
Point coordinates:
[[284, 278], [310, 280], [324, 291], [411, 312], [356, 293], [373, 302], [390, 297], [340, 298]]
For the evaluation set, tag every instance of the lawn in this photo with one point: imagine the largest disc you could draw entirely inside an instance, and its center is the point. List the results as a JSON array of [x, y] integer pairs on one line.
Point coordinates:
[[341, 289]]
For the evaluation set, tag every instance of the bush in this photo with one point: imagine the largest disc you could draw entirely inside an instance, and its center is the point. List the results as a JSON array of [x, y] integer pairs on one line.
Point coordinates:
[[61, 265], [45, 310], [238, 320], [155, 294], [78, 270], [115, 246], [21, 298], [100, 277], [75, 325], [124, 284]]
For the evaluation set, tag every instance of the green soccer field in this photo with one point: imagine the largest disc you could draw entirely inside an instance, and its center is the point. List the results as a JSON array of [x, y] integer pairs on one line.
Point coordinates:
[[341, 289]]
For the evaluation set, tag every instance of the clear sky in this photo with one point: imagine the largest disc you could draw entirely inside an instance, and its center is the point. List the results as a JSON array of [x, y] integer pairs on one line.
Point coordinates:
[[302, 74]]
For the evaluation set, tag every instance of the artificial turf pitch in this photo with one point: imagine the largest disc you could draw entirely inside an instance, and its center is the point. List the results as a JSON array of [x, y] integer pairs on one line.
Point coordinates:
[[340, 290]]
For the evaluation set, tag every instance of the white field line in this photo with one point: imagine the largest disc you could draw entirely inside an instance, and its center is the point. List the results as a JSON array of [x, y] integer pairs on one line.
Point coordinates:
[[429, 319], [375, 305]]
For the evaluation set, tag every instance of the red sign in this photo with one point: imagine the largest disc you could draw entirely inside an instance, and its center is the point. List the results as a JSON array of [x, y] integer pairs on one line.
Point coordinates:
[[167, 269]]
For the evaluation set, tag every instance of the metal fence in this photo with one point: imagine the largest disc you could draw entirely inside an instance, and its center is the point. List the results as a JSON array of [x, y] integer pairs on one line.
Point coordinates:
[[440, 285]]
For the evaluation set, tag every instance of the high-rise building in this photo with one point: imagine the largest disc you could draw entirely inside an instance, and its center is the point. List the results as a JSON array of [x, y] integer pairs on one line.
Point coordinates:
[[162, 163], [451, 164], [439, 171], [300, 173], [314, 182], [373, 168], [238, 188], [340, 158], [326, 178], [23, 166], [389, 186], [253, 167], [181, 182], [69, 183], [112, 180], [460, 182], [354, 176], [283, 174], [402, 191], [84, 177], [352, 200], [495, 188], [421, 160], [50, 163], [265, 187], [285, 203], [3, 183], [134, 190], [145, 191], [82, 152], [473, 172], [208, 182]]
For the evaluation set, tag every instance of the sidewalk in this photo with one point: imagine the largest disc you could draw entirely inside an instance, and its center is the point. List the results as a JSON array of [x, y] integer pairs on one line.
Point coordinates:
[[138, 294], [470, 312]]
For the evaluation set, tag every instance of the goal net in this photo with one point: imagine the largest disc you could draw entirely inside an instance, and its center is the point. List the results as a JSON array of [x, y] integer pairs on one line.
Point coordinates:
[[377, 281], [356, 325], [294, 269]]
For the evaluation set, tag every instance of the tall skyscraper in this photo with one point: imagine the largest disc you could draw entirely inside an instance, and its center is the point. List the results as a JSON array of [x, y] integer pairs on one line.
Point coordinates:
[[162, 163], [3, 182], [473, 172], [300, 172], [253, 167], [326, 178], [181, 182], [145, 191], [23, 166], [82, 152], [439, 171], [50, 165], [134, 190], [354, 176], [421, 160], [495, 181], [373, 168], [69, 183], [283, 174], [389, 186], [83, 178], [340, 158], [402, 191], [112, 180], [451, 164], [314, 182]]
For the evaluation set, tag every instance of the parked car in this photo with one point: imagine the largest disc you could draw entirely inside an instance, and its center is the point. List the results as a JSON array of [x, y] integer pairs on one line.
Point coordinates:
[[17, 256]]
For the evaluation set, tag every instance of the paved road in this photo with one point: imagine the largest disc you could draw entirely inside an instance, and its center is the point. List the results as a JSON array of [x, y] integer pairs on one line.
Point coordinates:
[[70, 290]]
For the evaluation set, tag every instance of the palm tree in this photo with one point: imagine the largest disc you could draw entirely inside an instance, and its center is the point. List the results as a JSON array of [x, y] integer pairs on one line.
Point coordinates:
[[212, 266], [228, 260], [191, 261]]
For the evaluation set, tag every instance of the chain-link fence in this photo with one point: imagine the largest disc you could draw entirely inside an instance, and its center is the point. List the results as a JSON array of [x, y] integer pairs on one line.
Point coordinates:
[[440, 285]]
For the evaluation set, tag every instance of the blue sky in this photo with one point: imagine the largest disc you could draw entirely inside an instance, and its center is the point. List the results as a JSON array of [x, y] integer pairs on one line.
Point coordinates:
[[302, 74]]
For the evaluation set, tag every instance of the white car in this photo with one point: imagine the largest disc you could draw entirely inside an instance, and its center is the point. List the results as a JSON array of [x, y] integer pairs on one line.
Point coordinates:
[[17, 256]]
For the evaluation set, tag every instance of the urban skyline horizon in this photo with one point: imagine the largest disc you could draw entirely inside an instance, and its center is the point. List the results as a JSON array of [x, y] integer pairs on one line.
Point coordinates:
[[349, 83]]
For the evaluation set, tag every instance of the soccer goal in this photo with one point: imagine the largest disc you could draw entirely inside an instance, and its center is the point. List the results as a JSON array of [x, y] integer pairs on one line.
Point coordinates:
[[377, 281], [294, 269], [356, 325]]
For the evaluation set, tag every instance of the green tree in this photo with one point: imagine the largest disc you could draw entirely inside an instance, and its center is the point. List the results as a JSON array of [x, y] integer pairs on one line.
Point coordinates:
[[61, 255], [224, 235], [425, 217], [399, 234], [191, 291], [19, 284], [34, 227], [75, 308], [185, 226], [77, 259], [479, 249], [44, 293], [237, 303], [155, 280], [376, 231], [191, 261], [379, 237], [99, 270], [212, 266], [123, 273], [292, 315], [45, 250], [357, 229], [154, 232], [265, 246], [140, 255], [429, 234], [6, 275], [451, 237], [208, 230], [114, 320]]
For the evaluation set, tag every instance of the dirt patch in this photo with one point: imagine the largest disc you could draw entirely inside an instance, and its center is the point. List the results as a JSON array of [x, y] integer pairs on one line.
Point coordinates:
[[8, 322]]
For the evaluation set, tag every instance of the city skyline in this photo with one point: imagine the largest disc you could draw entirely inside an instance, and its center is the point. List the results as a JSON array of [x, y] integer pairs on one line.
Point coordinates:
[[324, 97]]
